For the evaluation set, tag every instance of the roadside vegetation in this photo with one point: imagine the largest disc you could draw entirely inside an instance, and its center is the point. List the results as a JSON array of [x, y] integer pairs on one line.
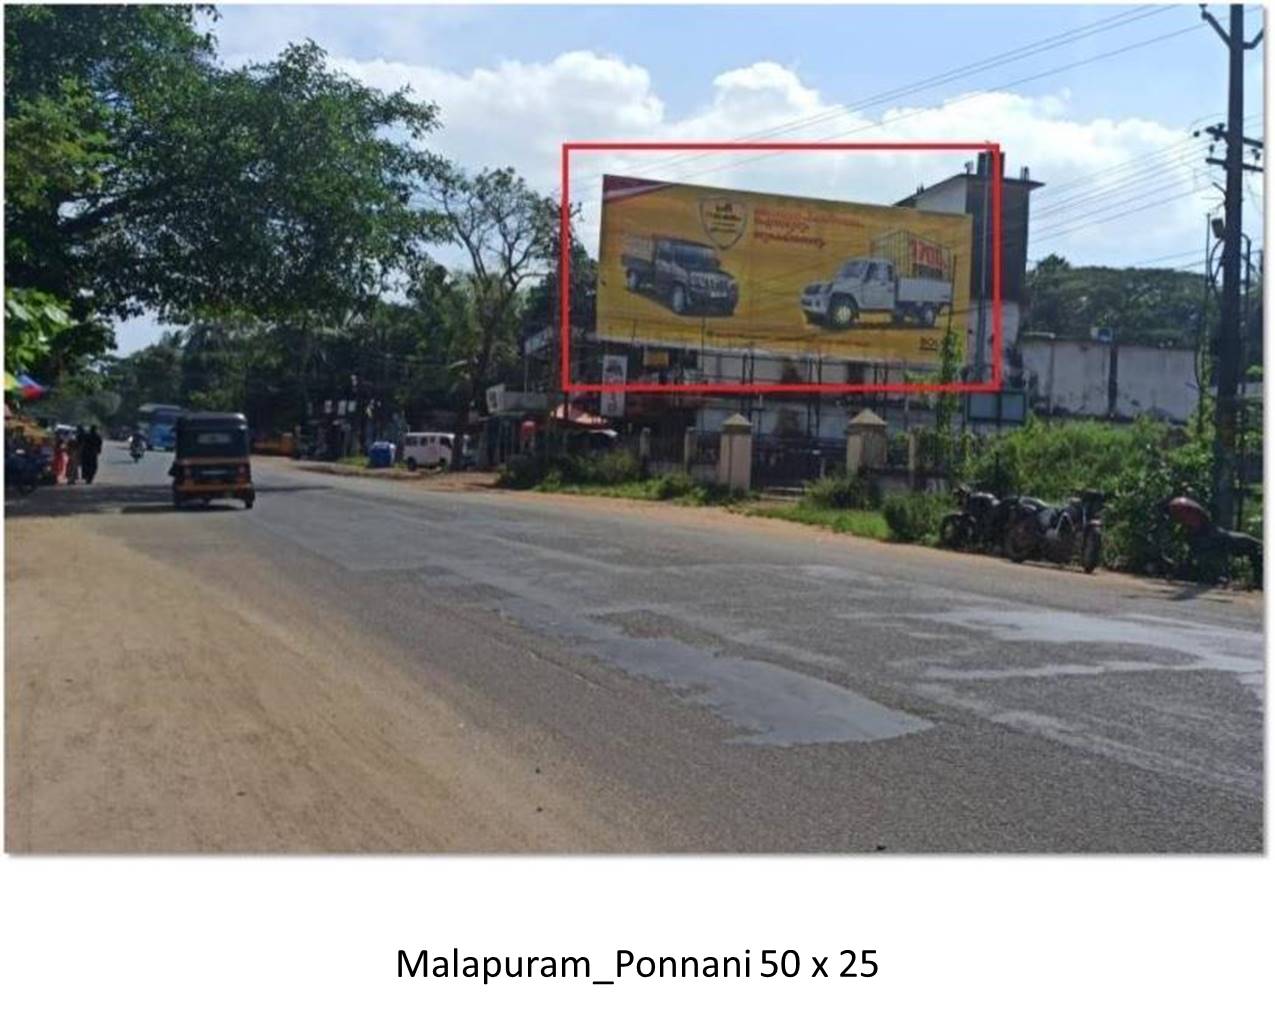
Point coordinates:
[[861, 523], [852, 506], [1137, 466], [617, 474]]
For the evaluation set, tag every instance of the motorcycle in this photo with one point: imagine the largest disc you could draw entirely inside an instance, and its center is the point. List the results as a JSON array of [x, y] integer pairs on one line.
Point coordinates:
[[22, 472], [981, 522], [1055, 533], [135, 451], [1207, 543]]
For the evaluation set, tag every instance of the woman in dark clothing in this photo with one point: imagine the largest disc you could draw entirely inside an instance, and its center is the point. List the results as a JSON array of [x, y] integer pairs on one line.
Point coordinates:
[[90, 450]]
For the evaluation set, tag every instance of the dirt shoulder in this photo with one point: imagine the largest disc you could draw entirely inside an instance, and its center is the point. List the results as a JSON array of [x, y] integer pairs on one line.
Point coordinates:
[[145, 712]]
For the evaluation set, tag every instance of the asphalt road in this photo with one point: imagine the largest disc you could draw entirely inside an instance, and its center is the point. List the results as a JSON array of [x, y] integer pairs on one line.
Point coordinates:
[[705, 683]]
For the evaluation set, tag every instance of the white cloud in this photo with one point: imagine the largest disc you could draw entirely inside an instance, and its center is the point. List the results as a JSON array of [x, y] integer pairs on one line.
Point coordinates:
[[518, 113]]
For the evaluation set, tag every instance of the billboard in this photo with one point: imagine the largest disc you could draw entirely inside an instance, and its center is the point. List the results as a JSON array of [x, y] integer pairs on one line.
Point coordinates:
[[714, 268]]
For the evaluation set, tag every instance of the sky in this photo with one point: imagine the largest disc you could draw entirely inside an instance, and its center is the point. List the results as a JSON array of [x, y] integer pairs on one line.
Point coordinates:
[[1099, 102]]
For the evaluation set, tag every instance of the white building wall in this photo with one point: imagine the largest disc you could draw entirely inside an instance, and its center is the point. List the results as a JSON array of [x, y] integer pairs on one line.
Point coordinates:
[[1156, 381], [1070, 376], [1149, 381]]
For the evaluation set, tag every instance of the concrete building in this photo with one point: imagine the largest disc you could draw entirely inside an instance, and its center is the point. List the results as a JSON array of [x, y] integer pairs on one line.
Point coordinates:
[[969, 192]]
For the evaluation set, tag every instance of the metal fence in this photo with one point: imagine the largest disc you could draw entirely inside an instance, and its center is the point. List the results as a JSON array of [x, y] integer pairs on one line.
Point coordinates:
[[795, 460]]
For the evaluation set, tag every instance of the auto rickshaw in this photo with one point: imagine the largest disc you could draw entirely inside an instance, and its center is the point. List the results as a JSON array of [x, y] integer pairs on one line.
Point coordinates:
[[211, 460]]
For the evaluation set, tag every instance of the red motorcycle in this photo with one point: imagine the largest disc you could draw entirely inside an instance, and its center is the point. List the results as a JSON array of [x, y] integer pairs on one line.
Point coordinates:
[[1209, 545]]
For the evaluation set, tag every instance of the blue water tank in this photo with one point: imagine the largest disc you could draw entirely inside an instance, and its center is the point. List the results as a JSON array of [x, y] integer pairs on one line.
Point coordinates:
[[380, 455]]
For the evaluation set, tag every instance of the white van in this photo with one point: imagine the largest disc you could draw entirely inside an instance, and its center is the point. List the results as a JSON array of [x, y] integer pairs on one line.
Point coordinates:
[[428, 450]]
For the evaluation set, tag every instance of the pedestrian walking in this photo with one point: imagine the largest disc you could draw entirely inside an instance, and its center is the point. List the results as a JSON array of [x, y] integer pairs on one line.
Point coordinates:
[[59, 459], [74, 444], [89, 453]]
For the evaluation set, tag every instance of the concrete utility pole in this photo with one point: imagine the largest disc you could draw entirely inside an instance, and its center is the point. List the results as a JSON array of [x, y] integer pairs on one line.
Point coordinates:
[[1228, 364]]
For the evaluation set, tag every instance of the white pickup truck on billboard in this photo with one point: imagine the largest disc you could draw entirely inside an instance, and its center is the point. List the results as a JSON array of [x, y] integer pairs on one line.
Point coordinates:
[[906, 276]]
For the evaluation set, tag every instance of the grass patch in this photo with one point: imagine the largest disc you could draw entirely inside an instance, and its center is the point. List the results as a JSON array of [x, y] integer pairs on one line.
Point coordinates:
[[915, 516], [673, 488], [863, 523], [622, 490]]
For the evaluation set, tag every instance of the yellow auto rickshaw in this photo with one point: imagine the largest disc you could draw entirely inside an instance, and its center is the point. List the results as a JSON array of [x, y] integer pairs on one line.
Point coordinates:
[[211, 459]]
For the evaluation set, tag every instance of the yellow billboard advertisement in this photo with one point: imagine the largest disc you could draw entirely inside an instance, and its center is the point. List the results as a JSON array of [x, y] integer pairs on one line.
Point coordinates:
[[693, 265]]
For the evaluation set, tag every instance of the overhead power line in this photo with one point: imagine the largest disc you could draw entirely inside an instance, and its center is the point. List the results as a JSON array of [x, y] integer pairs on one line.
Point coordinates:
[[1107, 202], [1106, 24], [1056, 233], [1136, 170], [736, 163], [1133, 162]]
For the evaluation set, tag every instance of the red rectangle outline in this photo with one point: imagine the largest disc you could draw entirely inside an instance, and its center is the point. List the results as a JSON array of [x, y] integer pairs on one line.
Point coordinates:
[[564, 283]]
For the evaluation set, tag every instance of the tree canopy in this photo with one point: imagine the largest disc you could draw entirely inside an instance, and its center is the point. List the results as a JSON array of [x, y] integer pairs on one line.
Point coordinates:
[[142, 175], [507, 232], [1140, 305]]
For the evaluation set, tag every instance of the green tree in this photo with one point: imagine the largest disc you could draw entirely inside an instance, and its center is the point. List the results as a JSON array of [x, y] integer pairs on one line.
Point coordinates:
[[80, 88], [309, 177], [32, 320], [506, 230], [141, 175], [152, 374], [541, 307], [1144, 306]]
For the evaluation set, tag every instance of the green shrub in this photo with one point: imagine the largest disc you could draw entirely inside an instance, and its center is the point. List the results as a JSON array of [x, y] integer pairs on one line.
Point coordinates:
[[840, 492], [524, 471], [613, 468], [718, 495], [1054, 460], [675, 485], [520, 472], [915, 516], [1137, 537]]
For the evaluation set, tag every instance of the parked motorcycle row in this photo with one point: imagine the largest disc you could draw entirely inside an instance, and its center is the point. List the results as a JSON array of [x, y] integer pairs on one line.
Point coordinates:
[[1023, 528]]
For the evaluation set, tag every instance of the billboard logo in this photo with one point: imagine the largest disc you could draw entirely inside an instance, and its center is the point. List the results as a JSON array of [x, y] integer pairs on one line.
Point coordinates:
[[724, 219]]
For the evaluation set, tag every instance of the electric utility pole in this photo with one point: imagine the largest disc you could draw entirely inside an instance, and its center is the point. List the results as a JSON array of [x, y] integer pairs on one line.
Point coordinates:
[[1228, 354]]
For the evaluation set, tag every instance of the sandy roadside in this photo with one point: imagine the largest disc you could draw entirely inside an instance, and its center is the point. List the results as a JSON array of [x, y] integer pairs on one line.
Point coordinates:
[[145, 712]]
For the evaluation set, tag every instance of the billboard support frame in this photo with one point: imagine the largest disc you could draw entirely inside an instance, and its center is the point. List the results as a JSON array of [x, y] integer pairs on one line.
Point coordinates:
[[995, 170]]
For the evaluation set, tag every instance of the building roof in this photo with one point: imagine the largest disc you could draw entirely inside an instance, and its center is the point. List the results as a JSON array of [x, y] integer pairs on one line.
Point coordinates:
[[1009, 181]]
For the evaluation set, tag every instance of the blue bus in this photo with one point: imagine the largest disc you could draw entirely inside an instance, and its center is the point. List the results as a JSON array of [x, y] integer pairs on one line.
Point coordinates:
[[158, 424]]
